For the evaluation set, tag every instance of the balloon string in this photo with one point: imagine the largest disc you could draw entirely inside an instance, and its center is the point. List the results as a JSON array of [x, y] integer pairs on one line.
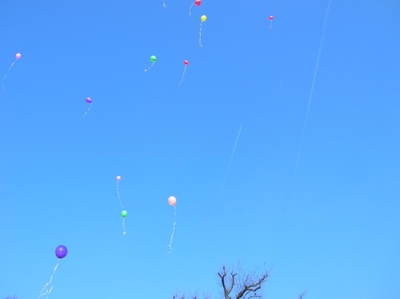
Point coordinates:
[[164, 5], [190, 9], [48, 283], [183, 75], [173, 231], [150, 66], [87, 111], [119, 198], [201, 26], [5, 76], [123, 226]]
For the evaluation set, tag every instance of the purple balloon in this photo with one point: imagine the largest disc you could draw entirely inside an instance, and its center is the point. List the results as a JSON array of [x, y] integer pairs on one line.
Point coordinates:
[[61, 251], [89, 100]]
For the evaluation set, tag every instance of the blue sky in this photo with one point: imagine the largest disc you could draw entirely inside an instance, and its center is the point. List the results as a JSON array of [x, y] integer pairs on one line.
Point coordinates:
[[332, 231]]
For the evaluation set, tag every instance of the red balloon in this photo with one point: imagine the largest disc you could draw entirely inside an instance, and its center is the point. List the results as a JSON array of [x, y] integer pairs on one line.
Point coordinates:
[[271, 17], [185, 62], [197, 2]]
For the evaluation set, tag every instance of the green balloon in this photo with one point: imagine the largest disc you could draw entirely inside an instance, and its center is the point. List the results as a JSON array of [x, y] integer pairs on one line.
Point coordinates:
[[153, 58], [124, 213]]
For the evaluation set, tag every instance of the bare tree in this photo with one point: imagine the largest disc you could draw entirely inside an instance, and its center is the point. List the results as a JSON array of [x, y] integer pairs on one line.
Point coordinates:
[[236, 285], [244, 286]]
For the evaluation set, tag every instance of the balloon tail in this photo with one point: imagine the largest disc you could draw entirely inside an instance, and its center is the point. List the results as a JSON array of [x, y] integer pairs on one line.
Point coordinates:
[[123, 226], [183, 76], [201, 26], [87, 111], [190, 9], [45, 290], [122, 207], [173, 231], [270, 26], [164, 5], [119, 198], [149, 67], [5, 76]]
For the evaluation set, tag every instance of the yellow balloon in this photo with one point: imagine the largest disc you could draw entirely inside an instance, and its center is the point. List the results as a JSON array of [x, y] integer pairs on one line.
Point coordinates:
[[203, 18]]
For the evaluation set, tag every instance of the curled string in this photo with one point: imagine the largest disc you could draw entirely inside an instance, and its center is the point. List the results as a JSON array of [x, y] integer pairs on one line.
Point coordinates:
[[149, 66], [173, 231], [5, 76], [123, 226], [46, 291], [190, 9], [201, 26], [87, 111], [119, 198], [183, 75]]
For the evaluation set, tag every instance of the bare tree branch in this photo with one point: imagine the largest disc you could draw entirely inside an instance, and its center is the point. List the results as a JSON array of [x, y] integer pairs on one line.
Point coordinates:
[[242, 285], [250, 285], [227, 290], [302, 295]]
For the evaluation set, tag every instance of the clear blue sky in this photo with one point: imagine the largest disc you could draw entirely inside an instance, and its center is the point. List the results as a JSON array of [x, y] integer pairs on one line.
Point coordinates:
[[333, 230]]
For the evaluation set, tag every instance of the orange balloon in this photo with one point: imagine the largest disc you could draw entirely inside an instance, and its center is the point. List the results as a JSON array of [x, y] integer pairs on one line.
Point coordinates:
[[172, 201]]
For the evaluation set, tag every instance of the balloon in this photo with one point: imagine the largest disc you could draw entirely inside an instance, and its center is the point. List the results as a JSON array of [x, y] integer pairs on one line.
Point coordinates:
[[172, 201], [270, 18], [17, 57], [88, 100], [118, 178], [124, 213], [61, 251], [203, 18], [153, 58], [185, 62], [197, 2]]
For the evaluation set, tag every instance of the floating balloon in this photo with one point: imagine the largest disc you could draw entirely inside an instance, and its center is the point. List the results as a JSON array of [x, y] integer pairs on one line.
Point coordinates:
[[153, 60], [89, 101], [17, 57], [186, 63], [203, 18], [123, 213], [172, 202], [197, 2], [271, 18], [61, 252]]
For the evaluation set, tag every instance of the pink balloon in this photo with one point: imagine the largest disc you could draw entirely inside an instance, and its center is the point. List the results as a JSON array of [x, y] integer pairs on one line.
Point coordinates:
[[185, 62], [18, 56], [172, 201], [118, 178], [271, 17]]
